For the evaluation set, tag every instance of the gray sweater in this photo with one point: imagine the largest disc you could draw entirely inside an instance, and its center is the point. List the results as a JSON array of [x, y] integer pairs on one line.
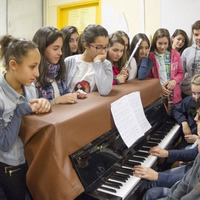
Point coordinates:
[[191, 66], [189, 187]]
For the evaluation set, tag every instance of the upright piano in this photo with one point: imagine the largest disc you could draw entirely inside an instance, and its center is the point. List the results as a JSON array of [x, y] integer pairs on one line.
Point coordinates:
[[75, 151]]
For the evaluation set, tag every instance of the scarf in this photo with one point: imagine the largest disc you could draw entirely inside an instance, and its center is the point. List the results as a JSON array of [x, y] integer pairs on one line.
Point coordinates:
[[47, 91]]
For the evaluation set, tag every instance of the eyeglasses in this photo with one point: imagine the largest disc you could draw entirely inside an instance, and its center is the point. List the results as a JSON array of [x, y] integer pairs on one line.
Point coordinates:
[[99, 49]]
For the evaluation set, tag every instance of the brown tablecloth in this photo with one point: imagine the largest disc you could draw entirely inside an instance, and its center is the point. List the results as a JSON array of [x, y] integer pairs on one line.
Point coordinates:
[[49, 139]]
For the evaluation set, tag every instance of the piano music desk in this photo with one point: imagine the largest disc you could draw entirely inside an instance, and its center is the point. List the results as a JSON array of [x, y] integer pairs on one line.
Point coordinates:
[[49, 139]]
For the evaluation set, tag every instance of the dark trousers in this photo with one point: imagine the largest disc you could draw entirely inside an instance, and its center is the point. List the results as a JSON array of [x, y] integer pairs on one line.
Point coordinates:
[[13, 181]]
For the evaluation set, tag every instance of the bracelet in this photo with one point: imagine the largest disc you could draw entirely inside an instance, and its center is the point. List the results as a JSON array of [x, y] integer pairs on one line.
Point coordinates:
[[52, 102], [115, 78]]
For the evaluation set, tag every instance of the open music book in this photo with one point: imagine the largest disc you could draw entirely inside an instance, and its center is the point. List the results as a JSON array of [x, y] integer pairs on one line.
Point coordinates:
[[129, 118]]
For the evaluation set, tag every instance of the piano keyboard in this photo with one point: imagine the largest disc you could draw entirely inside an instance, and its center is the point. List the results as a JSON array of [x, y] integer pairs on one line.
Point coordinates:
[[122, 182]]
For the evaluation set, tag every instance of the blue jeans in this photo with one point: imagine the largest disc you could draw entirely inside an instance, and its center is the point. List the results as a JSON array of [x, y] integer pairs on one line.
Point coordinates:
[[13, 181], [179, 172], [156, 193], [160, 192]]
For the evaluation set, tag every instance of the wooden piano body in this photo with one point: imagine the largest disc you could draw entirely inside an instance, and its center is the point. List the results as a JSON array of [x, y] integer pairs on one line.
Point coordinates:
[[49, 139]]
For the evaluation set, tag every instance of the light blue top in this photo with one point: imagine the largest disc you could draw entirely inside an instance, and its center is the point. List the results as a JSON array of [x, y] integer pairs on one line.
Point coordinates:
[[12, 107]]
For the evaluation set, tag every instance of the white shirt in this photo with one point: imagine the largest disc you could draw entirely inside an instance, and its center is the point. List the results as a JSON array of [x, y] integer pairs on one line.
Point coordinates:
[[86, 74]]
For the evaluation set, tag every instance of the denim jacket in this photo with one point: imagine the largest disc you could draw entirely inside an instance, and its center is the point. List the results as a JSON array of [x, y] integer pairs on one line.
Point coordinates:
[[13, 107]]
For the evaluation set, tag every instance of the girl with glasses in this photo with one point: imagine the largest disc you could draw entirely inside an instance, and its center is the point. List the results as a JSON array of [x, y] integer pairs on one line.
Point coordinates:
[[90, 71]]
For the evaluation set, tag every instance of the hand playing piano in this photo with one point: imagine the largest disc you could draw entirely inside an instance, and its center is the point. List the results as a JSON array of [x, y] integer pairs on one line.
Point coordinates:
[[159, 152], [145, 172]]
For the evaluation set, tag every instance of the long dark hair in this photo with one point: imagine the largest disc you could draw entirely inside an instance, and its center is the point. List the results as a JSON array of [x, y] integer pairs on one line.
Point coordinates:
[[124, 34], [162, 32], [67, 31], [91, 32], [134, 41], [115, 38], [44, 37], [184, 34]]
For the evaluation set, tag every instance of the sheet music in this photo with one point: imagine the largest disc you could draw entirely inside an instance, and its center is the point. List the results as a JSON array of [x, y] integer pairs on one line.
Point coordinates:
[[129, 118]]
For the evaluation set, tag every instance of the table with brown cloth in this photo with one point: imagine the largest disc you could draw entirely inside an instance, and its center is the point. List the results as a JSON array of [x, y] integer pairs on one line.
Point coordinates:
[[50, 138]]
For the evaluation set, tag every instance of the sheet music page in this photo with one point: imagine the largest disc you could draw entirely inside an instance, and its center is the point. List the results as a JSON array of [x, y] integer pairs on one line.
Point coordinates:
[[136, 105], [127, 113]]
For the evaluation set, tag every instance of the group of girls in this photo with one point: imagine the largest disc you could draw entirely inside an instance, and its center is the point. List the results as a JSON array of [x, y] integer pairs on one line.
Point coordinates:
[[42, 62], [65, 67]]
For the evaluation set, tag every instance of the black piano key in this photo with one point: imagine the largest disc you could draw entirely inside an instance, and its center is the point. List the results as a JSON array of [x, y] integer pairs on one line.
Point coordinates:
[[112, 185], [126, 171], [118, 178], [123, 175], [156, 139], [153, 141], [135, 158], [149, 145], [143, 148], [142, 154], [158, 136], [131, 164], [108, 189]]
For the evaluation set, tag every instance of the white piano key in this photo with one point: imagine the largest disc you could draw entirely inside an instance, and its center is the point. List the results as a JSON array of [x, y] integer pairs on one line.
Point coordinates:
[[128, 186]]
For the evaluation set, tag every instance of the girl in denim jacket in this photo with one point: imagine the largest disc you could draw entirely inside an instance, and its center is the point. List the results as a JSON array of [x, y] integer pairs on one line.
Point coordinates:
[[17, 98]]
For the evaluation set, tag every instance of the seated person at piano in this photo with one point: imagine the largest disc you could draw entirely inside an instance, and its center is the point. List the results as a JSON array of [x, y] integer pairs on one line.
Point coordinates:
[[189, 186], [17, 98], [167, 65], [159, 182], [91, 71], [51, 82], [140, 58], [185, 111], [117, 56]]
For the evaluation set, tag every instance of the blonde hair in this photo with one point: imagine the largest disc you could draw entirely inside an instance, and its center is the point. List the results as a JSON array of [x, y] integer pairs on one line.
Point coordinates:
[[196, 80]]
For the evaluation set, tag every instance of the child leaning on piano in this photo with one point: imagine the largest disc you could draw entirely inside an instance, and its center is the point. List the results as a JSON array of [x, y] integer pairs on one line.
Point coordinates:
[[51, 83], [91, 71], [17, 98]]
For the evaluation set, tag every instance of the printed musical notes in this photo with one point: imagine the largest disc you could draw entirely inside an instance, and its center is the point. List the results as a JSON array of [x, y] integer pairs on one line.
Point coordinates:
[[129, 118]]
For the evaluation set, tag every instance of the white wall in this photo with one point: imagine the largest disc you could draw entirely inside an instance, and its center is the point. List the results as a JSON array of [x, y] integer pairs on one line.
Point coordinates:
[[179, 14], [133, 13], [21, 18]]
